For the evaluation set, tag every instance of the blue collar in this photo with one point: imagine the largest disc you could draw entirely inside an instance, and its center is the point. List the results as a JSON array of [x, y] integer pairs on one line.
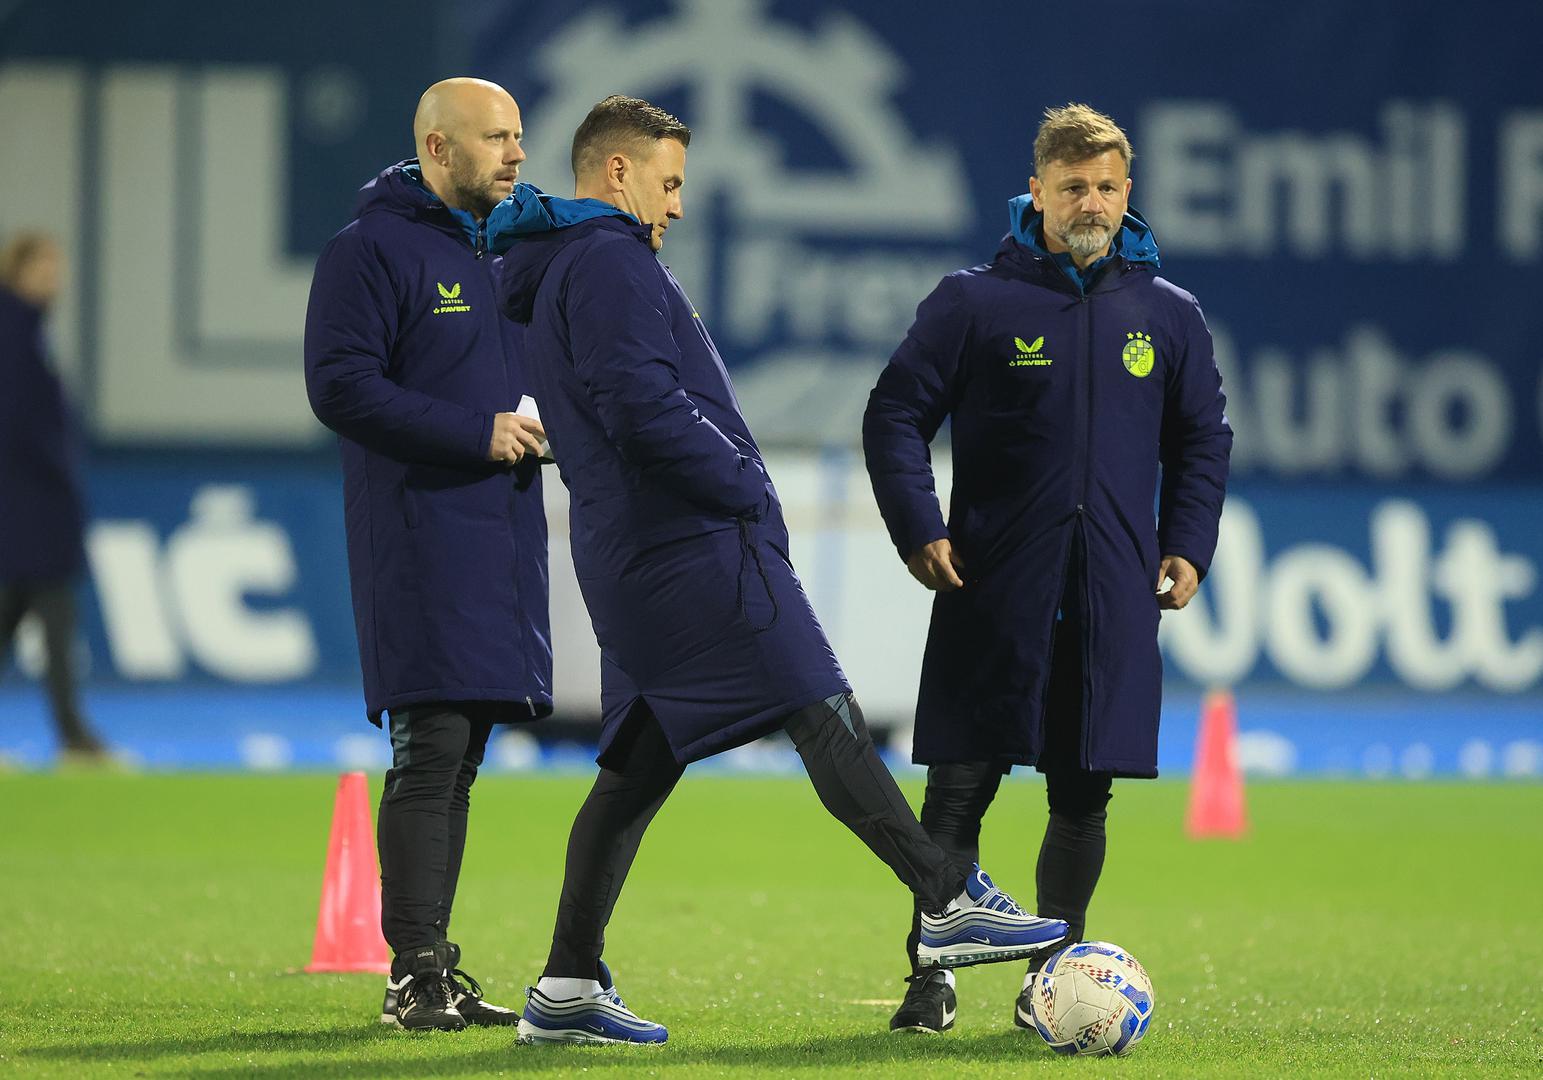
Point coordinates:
[[1133, 242], [478, 233]]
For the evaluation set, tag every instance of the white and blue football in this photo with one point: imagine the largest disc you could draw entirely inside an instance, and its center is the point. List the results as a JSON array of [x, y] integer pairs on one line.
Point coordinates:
[[1092, 998]]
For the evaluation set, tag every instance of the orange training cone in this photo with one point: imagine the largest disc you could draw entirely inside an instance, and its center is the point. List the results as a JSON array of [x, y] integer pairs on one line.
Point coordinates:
[[1216, 788], [348, 936]]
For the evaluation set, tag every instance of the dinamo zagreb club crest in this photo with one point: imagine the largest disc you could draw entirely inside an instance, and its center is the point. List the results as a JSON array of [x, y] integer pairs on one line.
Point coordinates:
[[1138, 355]]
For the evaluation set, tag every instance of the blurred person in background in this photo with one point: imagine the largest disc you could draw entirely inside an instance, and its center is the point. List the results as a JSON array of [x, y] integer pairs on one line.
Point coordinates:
[[42, 509], [408, 360], [1071, 371], [707, 640]]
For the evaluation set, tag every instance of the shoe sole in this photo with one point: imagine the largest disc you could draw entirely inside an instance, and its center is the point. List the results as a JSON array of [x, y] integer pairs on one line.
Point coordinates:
[[967, 954], [571, 1036], [390, 1020], [399, 1026], [514, 1022], [920, 1029]]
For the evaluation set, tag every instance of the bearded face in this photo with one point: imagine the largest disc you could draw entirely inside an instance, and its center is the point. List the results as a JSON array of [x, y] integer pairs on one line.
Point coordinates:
[[1083, 203], [479, 182]]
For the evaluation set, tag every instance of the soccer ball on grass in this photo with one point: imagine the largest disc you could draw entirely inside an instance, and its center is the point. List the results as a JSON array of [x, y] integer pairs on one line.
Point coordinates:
[[1091, 998]]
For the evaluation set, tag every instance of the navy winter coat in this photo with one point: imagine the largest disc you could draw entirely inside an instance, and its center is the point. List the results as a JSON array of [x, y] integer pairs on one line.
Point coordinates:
[[678, 537], [1063, 403], [407, 359], [42, 516]]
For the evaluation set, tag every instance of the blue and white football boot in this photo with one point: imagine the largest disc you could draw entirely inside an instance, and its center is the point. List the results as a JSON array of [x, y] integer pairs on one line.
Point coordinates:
[[595, 1018], [983, 926]]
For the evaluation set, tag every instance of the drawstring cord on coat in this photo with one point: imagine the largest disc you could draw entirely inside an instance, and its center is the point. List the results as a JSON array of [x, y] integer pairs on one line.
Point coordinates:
[[747, 551]]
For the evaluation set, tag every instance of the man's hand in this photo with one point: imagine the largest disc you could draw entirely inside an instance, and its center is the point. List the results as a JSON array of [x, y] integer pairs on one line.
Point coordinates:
[[514, 436], [937, 566], [1185, 582]]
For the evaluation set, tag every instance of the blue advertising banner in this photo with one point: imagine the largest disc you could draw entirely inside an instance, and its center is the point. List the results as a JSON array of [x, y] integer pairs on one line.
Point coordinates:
[[1353, 192], [231, 570]]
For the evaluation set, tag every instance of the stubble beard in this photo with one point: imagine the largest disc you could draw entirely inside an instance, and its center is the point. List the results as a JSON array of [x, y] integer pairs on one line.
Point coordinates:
[[1086, 242], [475, 193]]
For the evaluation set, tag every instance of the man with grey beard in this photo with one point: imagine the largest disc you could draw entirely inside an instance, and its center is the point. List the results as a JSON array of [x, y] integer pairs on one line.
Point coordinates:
[[1070, 371]]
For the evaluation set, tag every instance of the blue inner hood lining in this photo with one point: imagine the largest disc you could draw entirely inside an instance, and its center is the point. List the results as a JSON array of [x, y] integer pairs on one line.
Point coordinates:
[[1133, 242]]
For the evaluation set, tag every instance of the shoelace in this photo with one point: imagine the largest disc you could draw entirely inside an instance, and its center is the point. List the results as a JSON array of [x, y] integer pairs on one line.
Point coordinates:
[[428, 991], [472, 987], [996, 900], [608, 993], [922, 978]]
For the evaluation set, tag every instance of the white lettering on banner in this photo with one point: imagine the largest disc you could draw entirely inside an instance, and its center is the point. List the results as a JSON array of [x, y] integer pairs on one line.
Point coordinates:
[[780, 299], [215, 559], [1365, 407], [1218, 189], [125, 565], [1304, 581], [159, 607], [1519, 227], [822, 294], [1322, 617]]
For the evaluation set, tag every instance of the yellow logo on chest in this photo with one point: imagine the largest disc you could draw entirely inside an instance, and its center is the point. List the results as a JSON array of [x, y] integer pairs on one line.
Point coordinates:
[[1030, 354], [450, 302]]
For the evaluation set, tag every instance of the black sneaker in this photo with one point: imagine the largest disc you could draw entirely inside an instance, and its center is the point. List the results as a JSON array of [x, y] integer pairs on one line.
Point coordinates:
[[466, 996], [420, 998], [929, 1005], [1021, 1014]]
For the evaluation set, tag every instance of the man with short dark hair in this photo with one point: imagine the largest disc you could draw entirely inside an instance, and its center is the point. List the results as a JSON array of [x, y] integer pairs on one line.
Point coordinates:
[[408, 360], [707, 640], [1071, 372]]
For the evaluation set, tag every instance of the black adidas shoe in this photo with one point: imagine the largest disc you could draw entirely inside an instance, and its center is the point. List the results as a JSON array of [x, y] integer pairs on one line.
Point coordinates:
[[929, 1005], [466, 996], [419, 998]]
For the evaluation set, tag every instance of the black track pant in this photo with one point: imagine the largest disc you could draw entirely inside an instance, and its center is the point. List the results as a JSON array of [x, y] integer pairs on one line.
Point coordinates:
[[421, 827], [1071, 856], [638, 774], [53, 602]]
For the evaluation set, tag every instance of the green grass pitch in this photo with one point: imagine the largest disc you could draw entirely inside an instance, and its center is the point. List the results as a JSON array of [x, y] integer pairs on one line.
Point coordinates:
[[151, 926]]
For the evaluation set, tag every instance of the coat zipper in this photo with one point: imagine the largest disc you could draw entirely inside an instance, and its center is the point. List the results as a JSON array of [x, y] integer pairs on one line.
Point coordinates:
[[1071, 547], [1081, 527]]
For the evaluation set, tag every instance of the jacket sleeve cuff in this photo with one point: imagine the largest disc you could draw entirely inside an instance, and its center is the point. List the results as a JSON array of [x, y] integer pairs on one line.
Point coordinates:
[[919, 536], [484, 437], [1202, 566]]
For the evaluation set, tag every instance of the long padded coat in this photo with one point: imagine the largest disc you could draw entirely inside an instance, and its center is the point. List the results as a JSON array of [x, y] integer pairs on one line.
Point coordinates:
[[407, 359], [42, 511], [1064, 400], [678, 536]]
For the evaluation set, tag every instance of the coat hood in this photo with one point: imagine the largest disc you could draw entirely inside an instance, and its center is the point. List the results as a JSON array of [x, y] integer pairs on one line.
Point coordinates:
[[539, 227], [400, 190], [1023, 246]]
